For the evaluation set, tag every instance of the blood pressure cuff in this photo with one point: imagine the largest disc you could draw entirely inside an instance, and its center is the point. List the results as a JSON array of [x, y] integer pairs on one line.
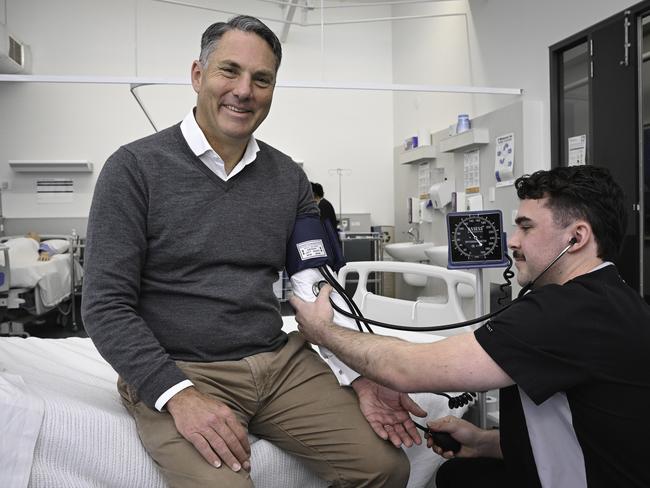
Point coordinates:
[[313, 244]]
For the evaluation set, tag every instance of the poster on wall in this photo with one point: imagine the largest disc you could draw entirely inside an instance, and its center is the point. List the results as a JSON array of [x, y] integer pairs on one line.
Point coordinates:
[[472, 171], [504, 161], [577, 150], [54, 190]]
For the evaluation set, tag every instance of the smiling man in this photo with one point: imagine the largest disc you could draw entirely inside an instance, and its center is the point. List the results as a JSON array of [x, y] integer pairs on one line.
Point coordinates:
[[570, 357], [187, 232]]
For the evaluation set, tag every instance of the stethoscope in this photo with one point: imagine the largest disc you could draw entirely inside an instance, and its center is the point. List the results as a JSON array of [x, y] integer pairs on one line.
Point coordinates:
[[453, 401], [355, 313]]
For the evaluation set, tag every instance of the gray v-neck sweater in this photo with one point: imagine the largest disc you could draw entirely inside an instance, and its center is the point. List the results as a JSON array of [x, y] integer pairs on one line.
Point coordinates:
[[179, 264]]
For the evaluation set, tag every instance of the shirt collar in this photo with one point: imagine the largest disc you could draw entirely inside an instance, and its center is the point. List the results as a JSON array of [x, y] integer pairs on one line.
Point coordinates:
[[602, 265], [199, 145]]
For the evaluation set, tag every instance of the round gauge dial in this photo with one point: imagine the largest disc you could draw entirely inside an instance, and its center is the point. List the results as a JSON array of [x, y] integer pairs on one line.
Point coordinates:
[[475, 237]]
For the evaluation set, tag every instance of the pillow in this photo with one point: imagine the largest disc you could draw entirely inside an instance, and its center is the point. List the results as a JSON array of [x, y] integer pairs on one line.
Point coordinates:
[[57, 245]]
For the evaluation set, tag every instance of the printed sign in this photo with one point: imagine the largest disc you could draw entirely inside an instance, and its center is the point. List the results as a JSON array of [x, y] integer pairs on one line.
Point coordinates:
[[311, 249]]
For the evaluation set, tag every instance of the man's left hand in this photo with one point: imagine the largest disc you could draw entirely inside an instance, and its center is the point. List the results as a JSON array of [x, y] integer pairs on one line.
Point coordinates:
[[314, 318], [387, 412]]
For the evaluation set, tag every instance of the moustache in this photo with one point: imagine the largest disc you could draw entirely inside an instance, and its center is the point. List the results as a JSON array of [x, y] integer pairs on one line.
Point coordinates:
[[518, 255]]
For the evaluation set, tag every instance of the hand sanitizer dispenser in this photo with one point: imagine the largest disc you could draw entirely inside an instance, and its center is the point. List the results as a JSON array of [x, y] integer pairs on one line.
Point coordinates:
[[440, 193]]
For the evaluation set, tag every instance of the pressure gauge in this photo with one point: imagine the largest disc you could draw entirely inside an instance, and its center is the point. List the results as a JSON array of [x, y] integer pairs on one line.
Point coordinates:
[[476, 239]]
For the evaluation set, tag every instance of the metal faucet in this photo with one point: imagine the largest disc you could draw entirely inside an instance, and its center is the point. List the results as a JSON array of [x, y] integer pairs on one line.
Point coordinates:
[[414, 232]]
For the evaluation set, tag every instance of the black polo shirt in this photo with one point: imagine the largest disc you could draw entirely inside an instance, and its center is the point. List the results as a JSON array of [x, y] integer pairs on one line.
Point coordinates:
[[579, 354]]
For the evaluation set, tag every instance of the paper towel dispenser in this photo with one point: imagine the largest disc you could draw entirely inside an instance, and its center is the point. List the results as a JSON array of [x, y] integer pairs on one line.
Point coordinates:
[[440, 193]]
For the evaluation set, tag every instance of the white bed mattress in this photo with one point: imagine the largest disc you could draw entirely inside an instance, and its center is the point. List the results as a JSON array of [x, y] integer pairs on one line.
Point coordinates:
[[58, 401]]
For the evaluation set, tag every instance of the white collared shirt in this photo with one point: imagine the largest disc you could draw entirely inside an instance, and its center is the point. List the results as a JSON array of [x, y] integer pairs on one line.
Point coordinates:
[[200, 146], [202, 149]]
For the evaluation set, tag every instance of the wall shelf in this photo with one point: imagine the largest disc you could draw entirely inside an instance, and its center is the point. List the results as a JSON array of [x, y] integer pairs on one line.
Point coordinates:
[[417, 155], [48, 166], [465, 141]]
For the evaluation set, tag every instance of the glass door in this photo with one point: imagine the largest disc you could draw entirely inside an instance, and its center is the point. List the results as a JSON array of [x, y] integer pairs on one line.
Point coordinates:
[[645, 159], [596, 118], [574, 103]]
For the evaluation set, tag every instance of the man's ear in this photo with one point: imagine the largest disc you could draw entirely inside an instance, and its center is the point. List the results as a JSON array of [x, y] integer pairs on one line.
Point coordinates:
[[196, 74], [582, 234]]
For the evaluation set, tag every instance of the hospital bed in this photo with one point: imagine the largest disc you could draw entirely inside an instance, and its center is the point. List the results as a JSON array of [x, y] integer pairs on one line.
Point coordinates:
[[29, 288], [62, 424]]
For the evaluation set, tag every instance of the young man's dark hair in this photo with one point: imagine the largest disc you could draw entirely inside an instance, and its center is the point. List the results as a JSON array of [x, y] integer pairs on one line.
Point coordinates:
[[317, 190], [582, 192]]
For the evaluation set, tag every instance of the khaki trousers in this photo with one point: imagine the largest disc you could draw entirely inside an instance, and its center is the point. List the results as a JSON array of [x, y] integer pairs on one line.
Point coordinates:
[[288, 397]]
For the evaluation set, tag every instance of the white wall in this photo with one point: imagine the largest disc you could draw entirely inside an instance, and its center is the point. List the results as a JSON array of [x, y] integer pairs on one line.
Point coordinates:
[[327, 129], [430, 51], [491, 43], [496, 43], [510, 39]]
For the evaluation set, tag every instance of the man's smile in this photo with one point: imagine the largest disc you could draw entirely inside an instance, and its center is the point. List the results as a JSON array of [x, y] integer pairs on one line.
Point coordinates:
[[236, 109]]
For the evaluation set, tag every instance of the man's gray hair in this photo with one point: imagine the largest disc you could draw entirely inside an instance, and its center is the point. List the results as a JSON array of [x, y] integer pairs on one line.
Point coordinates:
[[244, 23]]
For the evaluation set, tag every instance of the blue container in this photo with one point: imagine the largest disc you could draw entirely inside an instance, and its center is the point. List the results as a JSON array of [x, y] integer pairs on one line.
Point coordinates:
[[463, 124]]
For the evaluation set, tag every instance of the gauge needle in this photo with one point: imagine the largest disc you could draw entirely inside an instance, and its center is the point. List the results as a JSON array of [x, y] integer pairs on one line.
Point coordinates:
[[473, 235]]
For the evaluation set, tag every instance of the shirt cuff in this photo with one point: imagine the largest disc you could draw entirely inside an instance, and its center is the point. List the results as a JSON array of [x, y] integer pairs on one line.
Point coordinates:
[[165, 397], [344, 374], [301, 283]]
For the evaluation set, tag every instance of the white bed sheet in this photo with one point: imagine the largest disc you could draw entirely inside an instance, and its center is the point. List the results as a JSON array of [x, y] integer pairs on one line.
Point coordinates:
[[86, 432], [22, 413], [28, 274], [84, 437], [52, 278]]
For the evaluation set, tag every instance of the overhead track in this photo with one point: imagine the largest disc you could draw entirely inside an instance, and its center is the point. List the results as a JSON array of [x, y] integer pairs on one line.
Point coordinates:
[[347, 5], [315, 24], [323, 85]]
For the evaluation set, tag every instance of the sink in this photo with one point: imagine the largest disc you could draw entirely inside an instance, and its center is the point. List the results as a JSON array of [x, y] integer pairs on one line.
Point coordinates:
[[408, 251], [437, 255]]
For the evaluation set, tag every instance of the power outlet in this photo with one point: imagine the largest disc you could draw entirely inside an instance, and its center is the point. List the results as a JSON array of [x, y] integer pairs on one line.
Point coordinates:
[[5, 185]]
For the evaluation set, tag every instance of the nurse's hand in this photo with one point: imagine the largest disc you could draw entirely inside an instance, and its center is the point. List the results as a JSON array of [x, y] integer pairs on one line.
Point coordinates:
[[314, 318], [212, 428], [387, 412], [475, 442]]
